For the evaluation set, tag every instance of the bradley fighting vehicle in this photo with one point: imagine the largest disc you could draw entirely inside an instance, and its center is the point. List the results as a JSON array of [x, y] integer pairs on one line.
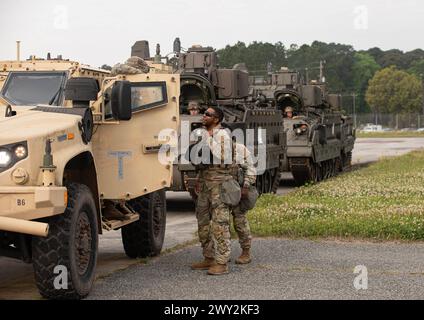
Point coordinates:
[[78, 156], [204, 82], [320, 138]]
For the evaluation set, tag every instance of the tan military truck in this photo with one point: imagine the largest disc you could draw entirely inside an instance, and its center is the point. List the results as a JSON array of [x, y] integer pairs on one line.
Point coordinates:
[[79, 155]]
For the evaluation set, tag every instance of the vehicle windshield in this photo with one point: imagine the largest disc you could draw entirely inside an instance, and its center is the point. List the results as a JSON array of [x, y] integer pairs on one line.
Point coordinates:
[[32, 88]]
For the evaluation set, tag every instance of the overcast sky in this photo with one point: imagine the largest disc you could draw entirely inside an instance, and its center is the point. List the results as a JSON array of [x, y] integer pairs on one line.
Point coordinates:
[[97, 32]]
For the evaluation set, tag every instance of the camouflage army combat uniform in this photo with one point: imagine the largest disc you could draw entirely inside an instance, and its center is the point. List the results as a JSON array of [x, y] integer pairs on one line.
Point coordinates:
[[134, 65], [244, 171], [212, 206]]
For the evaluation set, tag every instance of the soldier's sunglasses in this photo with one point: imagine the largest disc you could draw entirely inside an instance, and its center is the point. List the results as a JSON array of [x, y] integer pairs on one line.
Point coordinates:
[[208, 114]]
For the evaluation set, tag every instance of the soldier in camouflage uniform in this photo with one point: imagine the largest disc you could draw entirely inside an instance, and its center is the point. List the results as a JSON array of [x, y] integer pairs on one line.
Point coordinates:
[[244, 171], [213, 214]]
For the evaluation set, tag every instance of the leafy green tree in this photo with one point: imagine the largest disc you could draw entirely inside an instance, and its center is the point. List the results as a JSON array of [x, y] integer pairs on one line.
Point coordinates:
[[375, 52], [409, 94], [412, 57], [364, 68], [392, 57], [417, 68], [339, 59], [231, 55], [395, 57], [256, 55], [394, 91]]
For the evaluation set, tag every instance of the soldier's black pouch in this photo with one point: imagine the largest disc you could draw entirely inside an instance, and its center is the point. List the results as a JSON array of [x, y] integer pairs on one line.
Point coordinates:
[[249, 202], [230, 192]]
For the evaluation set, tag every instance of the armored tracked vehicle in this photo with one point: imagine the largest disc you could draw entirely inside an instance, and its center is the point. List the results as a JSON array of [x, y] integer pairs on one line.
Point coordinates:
[[206, 84], [320, 139], [78, 156]]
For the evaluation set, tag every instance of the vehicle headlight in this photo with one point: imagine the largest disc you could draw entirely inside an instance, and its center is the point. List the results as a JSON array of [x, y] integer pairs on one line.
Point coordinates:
[[5, 158], [20, 152], [11, 154]]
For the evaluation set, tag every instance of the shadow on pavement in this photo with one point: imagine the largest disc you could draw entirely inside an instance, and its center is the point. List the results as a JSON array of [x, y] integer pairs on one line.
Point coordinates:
[[180, 205]]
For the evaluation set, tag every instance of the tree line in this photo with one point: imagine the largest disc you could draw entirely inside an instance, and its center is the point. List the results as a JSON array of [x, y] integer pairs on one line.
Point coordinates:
[[383, 81]]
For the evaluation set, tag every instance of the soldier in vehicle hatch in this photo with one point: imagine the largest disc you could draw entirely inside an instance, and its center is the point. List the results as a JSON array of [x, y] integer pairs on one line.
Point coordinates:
[[193, 108], [288, 112]]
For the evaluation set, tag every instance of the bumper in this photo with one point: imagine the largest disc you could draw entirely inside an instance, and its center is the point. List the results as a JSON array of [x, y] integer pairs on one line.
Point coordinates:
[[30, 203]]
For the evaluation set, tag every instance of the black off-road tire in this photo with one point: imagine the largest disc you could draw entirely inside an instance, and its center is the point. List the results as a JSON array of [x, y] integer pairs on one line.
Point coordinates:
[[72, 243], [144, 238]]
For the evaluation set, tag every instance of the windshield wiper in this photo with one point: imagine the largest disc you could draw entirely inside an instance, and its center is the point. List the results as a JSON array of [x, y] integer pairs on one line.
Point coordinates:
[[55, 96]]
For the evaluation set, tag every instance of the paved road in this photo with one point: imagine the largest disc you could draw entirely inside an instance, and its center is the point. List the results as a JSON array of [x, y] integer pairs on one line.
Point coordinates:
[[372, 149], [281, 269], [16, 278]]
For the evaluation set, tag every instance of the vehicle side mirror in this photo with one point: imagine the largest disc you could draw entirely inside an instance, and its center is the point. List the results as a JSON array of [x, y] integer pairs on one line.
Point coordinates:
[[121, 100], [81, 91]]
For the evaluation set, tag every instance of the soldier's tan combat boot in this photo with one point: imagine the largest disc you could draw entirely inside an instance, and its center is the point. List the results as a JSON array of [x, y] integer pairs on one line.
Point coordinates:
[[245, 257], [218, 269], [204, 265]]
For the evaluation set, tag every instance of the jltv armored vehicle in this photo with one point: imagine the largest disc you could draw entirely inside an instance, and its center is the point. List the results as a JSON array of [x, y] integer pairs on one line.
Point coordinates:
[[320, 139], [206, 84], [78, 156]]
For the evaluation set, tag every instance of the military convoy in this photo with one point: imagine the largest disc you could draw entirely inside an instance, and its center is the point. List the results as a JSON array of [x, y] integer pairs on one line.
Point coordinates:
[[78, 156], [79, 150], [206, 84], [320, 138]]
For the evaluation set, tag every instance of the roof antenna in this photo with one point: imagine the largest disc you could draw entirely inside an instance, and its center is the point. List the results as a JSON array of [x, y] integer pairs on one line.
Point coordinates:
[[18, 51], [177, 45]]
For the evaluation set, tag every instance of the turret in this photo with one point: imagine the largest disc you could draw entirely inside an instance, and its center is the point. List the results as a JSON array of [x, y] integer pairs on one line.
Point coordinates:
[[204, 81]]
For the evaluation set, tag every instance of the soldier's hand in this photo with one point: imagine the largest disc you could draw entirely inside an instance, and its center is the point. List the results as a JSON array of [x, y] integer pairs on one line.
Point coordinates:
[[244, 192], [197, 187]]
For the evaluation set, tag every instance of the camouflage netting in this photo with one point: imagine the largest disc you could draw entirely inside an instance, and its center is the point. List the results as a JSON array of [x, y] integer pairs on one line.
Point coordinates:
[[133, 65]]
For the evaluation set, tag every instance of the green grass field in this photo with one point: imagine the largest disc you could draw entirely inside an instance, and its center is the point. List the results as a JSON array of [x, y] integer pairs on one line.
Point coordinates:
[[382, 202], [390, 134]]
